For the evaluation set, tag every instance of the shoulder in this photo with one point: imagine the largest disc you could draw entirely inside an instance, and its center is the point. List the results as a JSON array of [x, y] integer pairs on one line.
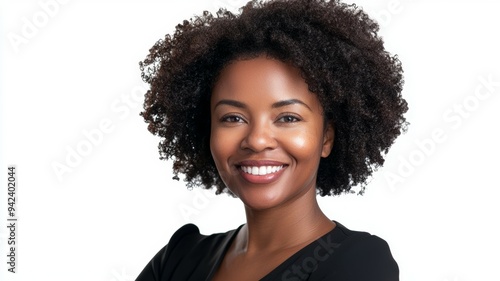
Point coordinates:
[[186, 250], [370, 257], [361, 256], [188, 240], [184, 237], [157, 267]]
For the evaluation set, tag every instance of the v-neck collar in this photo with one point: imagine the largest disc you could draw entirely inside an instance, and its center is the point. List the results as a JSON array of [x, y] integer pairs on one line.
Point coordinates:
[[226, 243], [221, 252]]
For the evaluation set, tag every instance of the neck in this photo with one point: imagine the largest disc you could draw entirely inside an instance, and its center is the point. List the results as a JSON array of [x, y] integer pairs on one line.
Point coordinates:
[[292, 224]]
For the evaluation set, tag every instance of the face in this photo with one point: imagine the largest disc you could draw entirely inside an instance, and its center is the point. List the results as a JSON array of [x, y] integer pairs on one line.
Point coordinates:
[[267, 132]]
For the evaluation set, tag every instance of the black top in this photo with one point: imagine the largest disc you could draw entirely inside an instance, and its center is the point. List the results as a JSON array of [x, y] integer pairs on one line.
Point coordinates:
[[340, 254]]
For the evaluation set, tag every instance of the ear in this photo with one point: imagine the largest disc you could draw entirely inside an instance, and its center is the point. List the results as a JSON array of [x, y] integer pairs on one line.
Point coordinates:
[[328, 137]]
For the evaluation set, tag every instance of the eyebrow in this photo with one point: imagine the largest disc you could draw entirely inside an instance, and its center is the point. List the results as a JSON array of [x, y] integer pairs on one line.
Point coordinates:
[[231, 103], [289, 102], [275, 105]]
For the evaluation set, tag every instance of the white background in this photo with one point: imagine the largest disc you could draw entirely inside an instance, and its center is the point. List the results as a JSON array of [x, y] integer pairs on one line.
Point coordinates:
[[71, 69]]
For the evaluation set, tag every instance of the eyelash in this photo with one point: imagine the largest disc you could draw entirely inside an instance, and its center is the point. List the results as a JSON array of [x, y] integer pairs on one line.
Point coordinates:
[[289, 119], [289, 116], [227, 117]]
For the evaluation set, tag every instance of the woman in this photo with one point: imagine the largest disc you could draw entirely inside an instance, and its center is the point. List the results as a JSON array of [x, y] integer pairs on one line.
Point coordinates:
[[284, 101]]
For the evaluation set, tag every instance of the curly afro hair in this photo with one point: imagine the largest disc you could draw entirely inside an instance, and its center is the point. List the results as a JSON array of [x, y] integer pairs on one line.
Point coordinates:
[[339, 54]]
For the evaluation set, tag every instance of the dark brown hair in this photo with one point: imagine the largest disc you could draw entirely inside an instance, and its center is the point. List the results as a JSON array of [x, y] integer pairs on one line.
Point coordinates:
[[340, 56]]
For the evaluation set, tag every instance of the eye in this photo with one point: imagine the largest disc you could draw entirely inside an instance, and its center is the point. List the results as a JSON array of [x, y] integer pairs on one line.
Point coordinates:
[[289, 119], [232, 119]]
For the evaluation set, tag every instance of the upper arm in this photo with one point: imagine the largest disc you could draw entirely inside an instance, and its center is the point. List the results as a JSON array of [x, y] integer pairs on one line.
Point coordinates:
[[370, 259]]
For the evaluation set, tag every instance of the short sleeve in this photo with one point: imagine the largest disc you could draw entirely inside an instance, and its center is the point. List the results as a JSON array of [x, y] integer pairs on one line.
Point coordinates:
[[370, 259]]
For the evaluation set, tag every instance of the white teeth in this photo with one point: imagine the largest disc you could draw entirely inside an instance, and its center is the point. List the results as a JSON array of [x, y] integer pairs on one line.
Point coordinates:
[[260, 171], [255, 171]]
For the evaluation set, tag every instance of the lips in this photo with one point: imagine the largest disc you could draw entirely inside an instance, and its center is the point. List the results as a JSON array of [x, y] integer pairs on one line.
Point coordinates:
[[262, 171]]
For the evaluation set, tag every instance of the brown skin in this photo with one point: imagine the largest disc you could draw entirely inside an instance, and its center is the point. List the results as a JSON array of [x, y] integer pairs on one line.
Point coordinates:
[[248, 124]]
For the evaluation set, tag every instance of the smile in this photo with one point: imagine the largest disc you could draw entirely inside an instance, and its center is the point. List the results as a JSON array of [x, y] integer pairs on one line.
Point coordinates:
[[262, 170]]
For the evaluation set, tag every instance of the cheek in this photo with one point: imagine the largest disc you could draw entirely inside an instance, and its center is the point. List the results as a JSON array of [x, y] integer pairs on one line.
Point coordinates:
[[218, 153], [215, 145], [304, 144], [222, 146]]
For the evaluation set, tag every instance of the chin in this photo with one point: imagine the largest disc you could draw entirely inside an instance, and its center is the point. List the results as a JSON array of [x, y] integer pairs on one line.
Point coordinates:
[[261, 198]]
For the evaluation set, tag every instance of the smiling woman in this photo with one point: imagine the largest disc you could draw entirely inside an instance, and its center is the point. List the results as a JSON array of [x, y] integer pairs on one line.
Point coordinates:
[[267, 134], [285, 101]]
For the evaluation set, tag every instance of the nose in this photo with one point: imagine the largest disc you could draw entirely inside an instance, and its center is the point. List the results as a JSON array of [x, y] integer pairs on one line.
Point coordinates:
[[259, 137]]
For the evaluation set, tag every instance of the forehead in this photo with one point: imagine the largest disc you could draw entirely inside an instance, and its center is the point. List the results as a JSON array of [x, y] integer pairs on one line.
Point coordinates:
[[261, 77], [261, 67]]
